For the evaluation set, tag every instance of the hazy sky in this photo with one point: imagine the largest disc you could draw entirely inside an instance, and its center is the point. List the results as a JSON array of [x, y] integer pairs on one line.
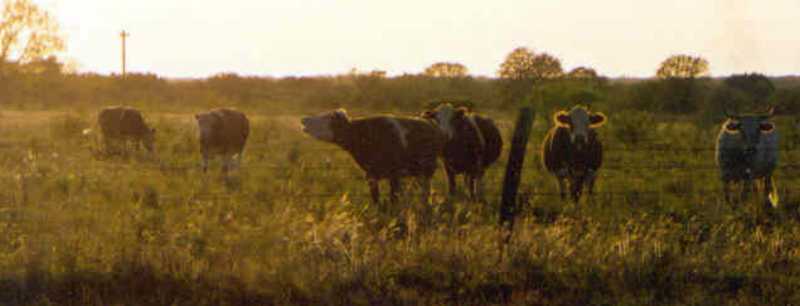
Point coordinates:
[[197, 38]]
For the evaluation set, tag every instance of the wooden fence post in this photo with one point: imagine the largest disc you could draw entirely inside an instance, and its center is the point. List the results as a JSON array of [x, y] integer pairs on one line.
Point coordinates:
[[511, 181]]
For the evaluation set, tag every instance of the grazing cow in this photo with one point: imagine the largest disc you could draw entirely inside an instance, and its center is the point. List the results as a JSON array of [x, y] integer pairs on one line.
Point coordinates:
[[222, 131], [123, 123], [572, 151], [473, 144], [385, 147], [747, 150]]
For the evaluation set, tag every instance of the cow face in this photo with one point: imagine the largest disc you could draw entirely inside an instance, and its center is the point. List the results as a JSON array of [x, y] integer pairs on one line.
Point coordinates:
[[323, 126], [445, 115], [749, 128], [579, 120], [206, 123]]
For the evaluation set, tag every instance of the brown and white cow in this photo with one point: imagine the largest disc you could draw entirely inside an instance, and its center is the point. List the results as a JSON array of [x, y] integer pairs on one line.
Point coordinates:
[[125, 124], [385, 147], [224, 132], [572, 151], [473, 144]]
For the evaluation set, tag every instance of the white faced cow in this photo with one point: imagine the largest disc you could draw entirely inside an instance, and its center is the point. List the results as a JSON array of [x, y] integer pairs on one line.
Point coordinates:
[[385, 147], [473, 144]]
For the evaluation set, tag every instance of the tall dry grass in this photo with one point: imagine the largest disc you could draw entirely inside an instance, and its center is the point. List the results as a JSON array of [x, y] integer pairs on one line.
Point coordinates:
[[294, 226]]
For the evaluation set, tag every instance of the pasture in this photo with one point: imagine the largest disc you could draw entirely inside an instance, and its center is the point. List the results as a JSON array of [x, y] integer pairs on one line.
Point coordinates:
[[294, 225]]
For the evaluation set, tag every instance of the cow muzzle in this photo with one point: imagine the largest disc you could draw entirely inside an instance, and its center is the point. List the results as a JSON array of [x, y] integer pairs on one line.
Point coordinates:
[[750, 151], [579, 141]]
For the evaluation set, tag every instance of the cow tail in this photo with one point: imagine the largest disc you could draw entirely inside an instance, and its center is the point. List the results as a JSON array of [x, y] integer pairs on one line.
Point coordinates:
[[773, 194]]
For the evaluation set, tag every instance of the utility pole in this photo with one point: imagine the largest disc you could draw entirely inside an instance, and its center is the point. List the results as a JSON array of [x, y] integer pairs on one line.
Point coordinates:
[[123, 35]]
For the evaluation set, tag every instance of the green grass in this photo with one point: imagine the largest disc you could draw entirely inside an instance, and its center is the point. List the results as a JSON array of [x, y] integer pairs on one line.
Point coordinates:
[[294, 226]]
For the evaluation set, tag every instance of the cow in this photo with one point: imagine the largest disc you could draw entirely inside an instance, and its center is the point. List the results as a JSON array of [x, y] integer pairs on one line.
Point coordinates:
[[125, 124], [384, 146], [747, 151], [473, 144], [572, 150], [222, 131]]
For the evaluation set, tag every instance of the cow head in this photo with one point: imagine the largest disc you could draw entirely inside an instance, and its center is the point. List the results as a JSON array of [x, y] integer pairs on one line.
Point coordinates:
[[325, 125], [749, 128], [579, 120], [206, 123], [444, 116]]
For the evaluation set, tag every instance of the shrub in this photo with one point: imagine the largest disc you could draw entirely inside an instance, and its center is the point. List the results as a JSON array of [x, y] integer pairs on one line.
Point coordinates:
[[632, 127]]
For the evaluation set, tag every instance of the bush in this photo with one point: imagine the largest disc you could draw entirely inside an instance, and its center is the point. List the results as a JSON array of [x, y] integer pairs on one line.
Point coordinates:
[[563, 94], [632, 127]]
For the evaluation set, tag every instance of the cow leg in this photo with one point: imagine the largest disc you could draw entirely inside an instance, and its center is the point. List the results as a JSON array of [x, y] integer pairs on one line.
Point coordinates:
[[469, 182], [107, 143], [726, 190], [425, 189], [562, 182], [479, 188], [395, 187], [451, 181], [205, 161], [592, 176], [374, 190], [576, 186], [747, 186], [227, 163]]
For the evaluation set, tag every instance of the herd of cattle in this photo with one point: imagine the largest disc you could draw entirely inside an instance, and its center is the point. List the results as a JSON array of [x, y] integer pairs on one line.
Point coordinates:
[[391, 147]]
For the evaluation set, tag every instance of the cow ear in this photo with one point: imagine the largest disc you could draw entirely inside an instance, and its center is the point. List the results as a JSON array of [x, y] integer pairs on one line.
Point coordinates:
[[152, 130], [427, 114], [597, 119], [461, 112], [767, 127], [197, 117], [731, 127], [561, 118], [341, 114]]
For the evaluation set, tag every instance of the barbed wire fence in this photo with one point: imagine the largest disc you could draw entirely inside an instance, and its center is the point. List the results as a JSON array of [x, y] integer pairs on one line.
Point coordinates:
[[613, 167]]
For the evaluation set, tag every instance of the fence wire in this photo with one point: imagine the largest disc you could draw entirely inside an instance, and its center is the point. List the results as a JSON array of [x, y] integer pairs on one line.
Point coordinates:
[[613, 167]]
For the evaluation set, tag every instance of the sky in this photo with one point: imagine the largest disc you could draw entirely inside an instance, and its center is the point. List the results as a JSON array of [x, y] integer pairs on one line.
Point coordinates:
[[199, 38]]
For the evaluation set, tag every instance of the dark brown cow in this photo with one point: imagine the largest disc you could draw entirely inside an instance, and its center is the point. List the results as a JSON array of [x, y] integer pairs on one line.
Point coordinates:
[[123, 123], [571, 150], [223, 131], [474, 143], [385, 147]]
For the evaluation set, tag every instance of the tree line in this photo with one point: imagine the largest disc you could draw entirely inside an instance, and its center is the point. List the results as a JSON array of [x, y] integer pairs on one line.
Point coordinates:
[[31, 76]]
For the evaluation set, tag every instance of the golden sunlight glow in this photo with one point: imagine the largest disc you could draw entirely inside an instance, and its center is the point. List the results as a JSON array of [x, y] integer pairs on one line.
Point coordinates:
[[302, 37]]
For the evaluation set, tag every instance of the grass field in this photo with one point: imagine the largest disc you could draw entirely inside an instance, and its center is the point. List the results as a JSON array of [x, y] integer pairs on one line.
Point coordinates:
[[294, 225]]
